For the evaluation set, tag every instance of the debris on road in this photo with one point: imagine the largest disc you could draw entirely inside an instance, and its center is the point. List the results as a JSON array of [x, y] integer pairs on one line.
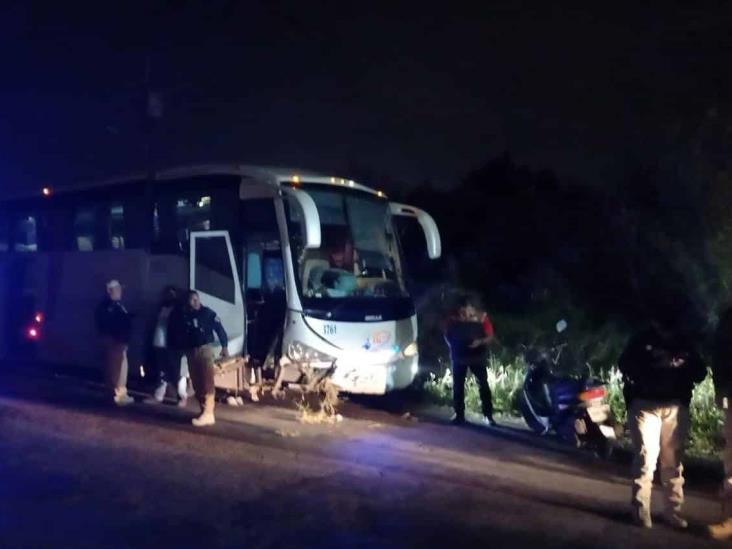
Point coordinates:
[[319, 406], [285, 433]]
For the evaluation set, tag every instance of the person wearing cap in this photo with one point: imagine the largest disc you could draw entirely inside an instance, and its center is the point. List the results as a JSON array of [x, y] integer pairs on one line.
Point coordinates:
[[114, 326], [660, 366], [192, 329]]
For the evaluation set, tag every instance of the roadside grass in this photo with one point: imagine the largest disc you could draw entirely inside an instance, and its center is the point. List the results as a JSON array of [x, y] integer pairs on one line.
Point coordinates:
[[506, 377]]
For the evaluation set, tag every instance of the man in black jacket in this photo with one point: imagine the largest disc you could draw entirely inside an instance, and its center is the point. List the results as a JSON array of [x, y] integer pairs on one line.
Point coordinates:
[[660, 366], [114, 326], [191, 329]]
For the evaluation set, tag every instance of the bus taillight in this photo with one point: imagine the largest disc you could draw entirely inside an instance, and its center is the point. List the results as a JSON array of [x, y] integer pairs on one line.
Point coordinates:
[[33, 331]]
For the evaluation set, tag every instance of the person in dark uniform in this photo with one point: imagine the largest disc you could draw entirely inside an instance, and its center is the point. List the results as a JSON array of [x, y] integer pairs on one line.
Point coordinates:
[[191, 329], [114, 326], [468, 334]]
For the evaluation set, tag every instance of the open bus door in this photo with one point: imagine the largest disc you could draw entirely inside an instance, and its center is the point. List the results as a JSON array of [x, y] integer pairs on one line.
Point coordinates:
[[214, 275]]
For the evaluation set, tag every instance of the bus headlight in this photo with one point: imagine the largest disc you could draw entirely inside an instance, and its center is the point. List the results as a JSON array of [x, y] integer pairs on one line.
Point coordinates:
[[299, 352], [411, 349]]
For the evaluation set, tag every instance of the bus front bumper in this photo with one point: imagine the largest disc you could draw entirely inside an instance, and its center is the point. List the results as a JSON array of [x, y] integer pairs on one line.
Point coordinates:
[[361, 377]]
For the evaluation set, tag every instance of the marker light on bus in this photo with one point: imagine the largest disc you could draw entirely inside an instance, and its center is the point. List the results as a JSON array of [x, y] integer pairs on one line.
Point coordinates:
[[296, 179], [411, 349], [332, 180], [38, 318], [32, 333], [46, 191]]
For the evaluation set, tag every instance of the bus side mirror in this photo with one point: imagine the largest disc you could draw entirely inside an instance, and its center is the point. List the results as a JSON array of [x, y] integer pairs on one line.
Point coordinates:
[[429, 227], [309, 213]]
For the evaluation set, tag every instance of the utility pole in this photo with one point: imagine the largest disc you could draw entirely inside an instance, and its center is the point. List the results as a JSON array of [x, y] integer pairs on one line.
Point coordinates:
[[153, 111]]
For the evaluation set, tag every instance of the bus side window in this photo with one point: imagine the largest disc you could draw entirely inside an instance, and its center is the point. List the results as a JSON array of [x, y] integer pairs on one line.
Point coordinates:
[[4, 233], [84, 233], [192, 214], [174, 218], [117, 226], [138, 218], [165, 239], [99, 227], [25, 233], [214, 274]]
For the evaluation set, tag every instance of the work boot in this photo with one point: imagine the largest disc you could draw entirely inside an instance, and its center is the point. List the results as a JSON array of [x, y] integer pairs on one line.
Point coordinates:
[[207, 413], [721, 531], [123, 400], [642, 517], [204, 420], [458, 419], [159, 394]]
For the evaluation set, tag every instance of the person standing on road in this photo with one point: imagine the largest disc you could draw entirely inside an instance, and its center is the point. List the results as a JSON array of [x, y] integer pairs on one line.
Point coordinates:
[[722, 372], [468, 334], [167, 357], [114, 326], [192, 329], [660, 367]]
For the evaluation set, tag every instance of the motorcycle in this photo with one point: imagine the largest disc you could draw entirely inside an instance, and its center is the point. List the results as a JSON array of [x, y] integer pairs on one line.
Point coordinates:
[[575, 408]]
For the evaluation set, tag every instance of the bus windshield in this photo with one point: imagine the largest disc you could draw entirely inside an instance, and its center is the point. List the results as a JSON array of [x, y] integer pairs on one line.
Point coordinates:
[[359, 253]]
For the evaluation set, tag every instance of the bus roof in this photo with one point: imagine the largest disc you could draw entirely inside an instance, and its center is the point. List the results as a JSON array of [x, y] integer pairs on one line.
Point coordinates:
[[274, 176]]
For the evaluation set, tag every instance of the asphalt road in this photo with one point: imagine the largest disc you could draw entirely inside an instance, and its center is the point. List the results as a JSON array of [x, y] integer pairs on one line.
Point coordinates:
[[75, 472]]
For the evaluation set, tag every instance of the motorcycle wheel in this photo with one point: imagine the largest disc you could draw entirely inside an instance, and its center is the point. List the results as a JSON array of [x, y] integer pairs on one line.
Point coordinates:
[[606, 449], [533, 423]]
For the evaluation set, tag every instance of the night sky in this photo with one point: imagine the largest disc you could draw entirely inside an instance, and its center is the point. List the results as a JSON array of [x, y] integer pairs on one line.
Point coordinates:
[[402, 92]]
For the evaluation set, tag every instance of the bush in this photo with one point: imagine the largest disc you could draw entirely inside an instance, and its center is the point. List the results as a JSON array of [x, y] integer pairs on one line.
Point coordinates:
[[705, 435], [506, 378]]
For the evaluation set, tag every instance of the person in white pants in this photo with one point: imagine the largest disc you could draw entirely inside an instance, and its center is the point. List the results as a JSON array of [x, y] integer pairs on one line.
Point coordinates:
[[722, 372], [167, 358], [660, 367]]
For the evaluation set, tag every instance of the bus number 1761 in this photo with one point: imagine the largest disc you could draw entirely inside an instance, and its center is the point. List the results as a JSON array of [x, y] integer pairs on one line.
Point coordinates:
[[329, 329]]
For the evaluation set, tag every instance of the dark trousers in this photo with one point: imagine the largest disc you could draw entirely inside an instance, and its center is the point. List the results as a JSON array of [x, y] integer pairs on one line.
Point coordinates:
[[459, 373]]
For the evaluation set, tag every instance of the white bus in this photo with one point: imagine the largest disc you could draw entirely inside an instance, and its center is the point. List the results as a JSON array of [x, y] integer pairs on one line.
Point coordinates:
[[303, 266]]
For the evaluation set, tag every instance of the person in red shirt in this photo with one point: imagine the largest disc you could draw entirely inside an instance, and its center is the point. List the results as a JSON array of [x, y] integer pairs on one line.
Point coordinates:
[[468, 333]]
